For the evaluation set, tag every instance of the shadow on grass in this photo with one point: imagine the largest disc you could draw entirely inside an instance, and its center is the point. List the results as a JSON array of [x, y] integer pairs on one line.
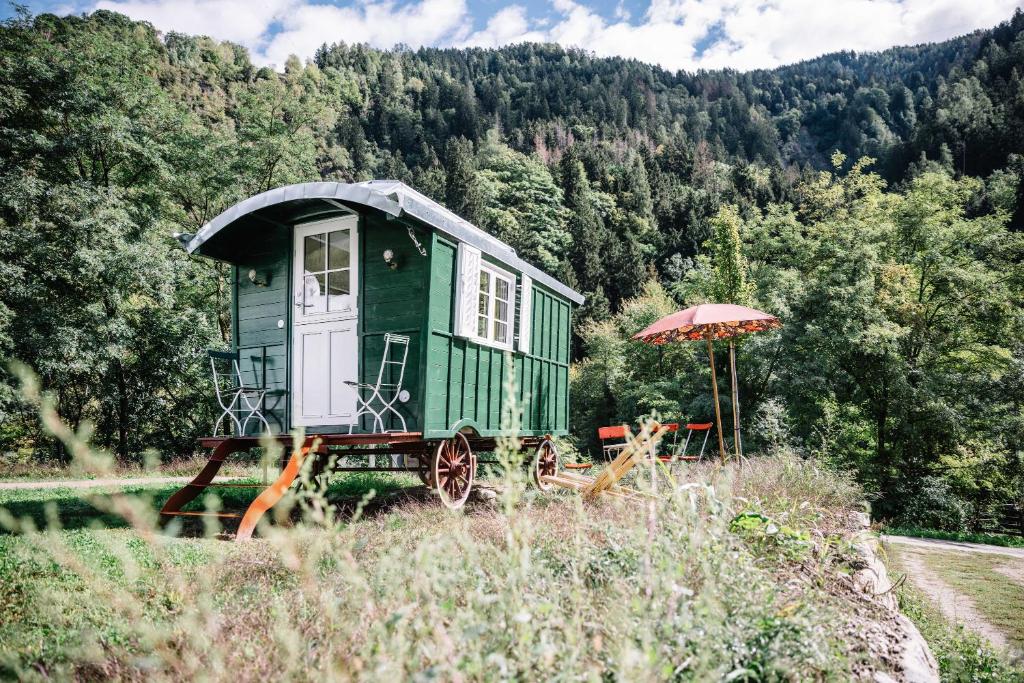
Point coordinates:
[[77, 508]]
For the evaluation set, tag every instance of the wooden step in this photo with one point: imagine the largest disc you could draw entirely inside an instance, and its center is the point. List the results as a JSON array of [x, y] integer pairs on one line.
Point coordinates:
[[566, 482], [221, 515], [574, 476]]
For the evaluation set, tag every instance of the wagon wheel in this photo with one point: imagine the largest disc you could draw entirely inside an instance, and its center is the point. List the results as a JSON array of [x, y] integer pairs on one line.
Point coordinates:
[[425, 471], [545, 464], [453, 470]]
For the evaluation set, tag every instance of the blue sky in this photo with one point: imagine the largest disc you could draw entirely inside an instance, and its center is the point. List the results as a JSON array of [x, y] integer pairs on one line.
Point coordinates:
[[677, 34]]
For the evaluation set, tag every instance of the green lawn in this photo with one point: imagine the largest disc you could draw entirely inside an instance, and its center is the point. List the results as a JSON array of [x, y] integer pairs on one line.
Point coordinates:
[[76, 508], [15, 471], [962, 654], [998, 597], [530, 587]]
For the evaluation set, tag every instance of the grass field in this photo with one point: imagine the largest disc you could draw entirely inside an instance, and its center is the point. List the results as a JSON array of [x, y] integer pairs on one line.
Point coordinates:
[[963, 654], [997, 596], [18, 470], [529, 587]]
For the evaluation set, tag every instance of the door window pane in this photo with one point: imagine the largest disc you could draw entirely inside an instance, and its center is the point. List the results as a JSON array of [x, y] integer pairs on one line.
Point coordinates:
[[313, 293], [314, 259], [338, 288], [339, 250]]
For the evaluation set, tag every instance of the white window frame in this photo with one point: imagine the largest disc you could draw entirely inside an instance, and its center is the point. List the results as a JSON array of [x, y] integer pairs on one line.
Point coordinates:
[[495, 272]]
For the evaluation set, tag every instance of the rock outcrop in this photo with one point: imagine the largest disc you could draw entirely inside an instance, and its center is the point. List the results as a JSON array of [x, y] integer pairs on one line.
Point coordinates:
[[915, 662]]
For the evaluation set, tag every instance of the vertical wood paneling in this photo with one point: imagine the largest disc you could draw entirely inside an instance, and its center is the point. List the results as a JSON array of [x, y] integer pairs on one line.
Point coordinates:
[[256, 311], [393, 300], [466, 380]]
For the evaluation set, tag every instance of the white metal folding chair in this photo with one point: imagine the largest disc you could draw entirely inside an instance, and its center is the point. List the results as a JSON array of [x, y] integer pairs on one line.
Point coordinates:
[[233, 395], [386, 392]]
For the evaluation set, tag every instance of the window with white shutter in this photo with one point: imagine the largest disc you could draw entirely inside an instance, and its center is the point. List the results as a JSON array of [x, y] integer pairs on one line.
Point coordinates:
[[525, 313], [485, 300], [466, 288]]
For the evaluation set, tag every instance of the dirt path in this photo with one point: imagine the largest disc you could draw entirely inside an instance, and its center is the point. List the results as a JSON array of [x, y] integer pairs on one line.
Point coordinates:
[[97, 483], [936, 544], [957, 607], [1012, 570]]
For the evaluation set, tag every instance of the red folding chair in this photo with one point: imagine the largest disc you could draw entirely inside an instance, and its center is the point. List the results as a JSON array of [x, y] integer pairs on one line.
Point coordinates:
[[617, 436], [691, 428]]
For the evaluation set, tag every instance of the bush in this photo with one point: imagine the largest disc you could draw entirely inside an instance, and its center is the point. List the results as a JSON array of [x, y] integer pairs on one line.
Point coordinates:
[[932, 504]]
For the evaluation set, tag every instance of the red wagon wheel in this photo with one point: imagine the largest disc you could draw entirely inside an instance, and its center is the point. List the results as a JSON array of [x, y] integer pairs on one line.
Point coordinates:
[[545, 464], [453, 470], [424, 469], [424, 473]]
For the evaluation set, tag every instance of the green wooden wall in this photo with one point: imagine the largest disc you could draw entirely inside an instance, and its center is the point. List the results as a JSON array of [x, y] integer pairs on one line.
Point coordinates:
[[453, 382], [543, 376], [465, 381], [392, 300], [256, 311]]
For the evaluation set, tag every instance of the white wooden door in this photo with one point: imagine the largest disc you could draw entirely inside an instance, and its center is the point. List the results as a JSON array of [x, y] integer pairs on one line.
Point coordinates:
[[324, 317]]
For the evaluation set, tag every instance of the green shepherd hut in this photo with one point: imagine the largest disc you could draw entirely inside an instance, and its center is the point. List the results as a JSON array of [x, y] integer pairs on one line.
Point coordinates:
[[341, 291]]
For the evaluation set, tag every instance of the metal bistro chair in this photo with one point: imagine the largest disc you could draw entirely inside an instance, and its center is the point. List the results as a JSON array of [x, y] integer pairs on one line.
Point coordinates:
[[681, 456], [393, 344], [613, 440], [233, 395]]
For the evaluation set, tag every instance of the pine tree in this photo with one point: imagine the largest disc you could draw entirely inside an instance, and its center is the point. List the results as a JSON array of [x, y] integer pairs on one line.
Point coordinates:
[[590, 240], [585, 225], [462, 188]]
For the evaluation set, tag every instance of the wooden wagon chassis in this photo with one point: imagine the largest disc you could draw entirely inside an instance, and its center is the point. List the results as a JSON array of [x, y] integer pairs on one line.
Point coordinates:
[[447, 466]]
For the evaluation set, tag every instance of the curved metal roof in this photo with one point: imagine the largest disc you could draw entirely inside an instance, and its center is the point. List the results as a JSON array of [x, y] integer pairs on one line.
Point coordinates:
[[394, 198]]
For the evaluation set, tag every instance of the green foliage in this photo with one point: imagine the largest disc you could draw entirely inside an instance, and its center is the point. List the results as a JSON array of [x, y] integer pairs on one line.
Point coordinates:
[[762, 532], [730, 276], [523, 205], [1003, 540], [536, 587], [896, 350], [462, 192], [933, 505], [899, 283]]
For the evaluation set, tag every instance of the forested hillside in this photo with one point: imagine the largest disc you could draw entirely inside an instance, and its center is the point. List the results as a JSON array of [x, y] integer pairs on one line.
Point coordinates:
[[899, 278]]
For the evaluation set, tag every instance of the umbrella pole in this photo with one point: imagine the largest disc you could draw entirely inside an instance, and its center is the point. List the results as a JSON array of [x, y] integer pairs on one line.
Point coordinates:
[[714, 391], [738, 446]]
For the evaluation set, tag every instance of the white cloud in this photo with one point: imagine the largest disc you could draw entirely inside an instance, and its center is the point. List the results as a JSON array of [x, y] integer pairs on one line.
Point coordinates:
[[508, 25], [240, 21], [769, 34], [765, 33], [382, 24], [744, 34], [301, 26]]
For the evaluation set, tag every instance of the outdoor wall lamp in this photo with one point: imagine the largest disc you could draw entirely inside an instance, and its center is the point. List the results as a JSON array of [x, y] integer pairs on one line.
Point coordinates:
[[389, 259], [257, 280]]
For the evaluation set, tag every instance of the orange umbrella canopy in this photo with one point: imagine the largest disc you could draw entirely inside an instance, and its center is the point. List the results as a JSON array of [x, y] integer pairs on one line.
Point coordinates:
[[719, 321]]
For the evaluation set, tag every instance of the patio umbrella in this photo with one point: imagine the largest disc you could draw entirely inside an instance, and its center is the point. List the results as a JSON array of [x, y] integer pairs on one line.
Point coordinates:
[[711, 322]]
